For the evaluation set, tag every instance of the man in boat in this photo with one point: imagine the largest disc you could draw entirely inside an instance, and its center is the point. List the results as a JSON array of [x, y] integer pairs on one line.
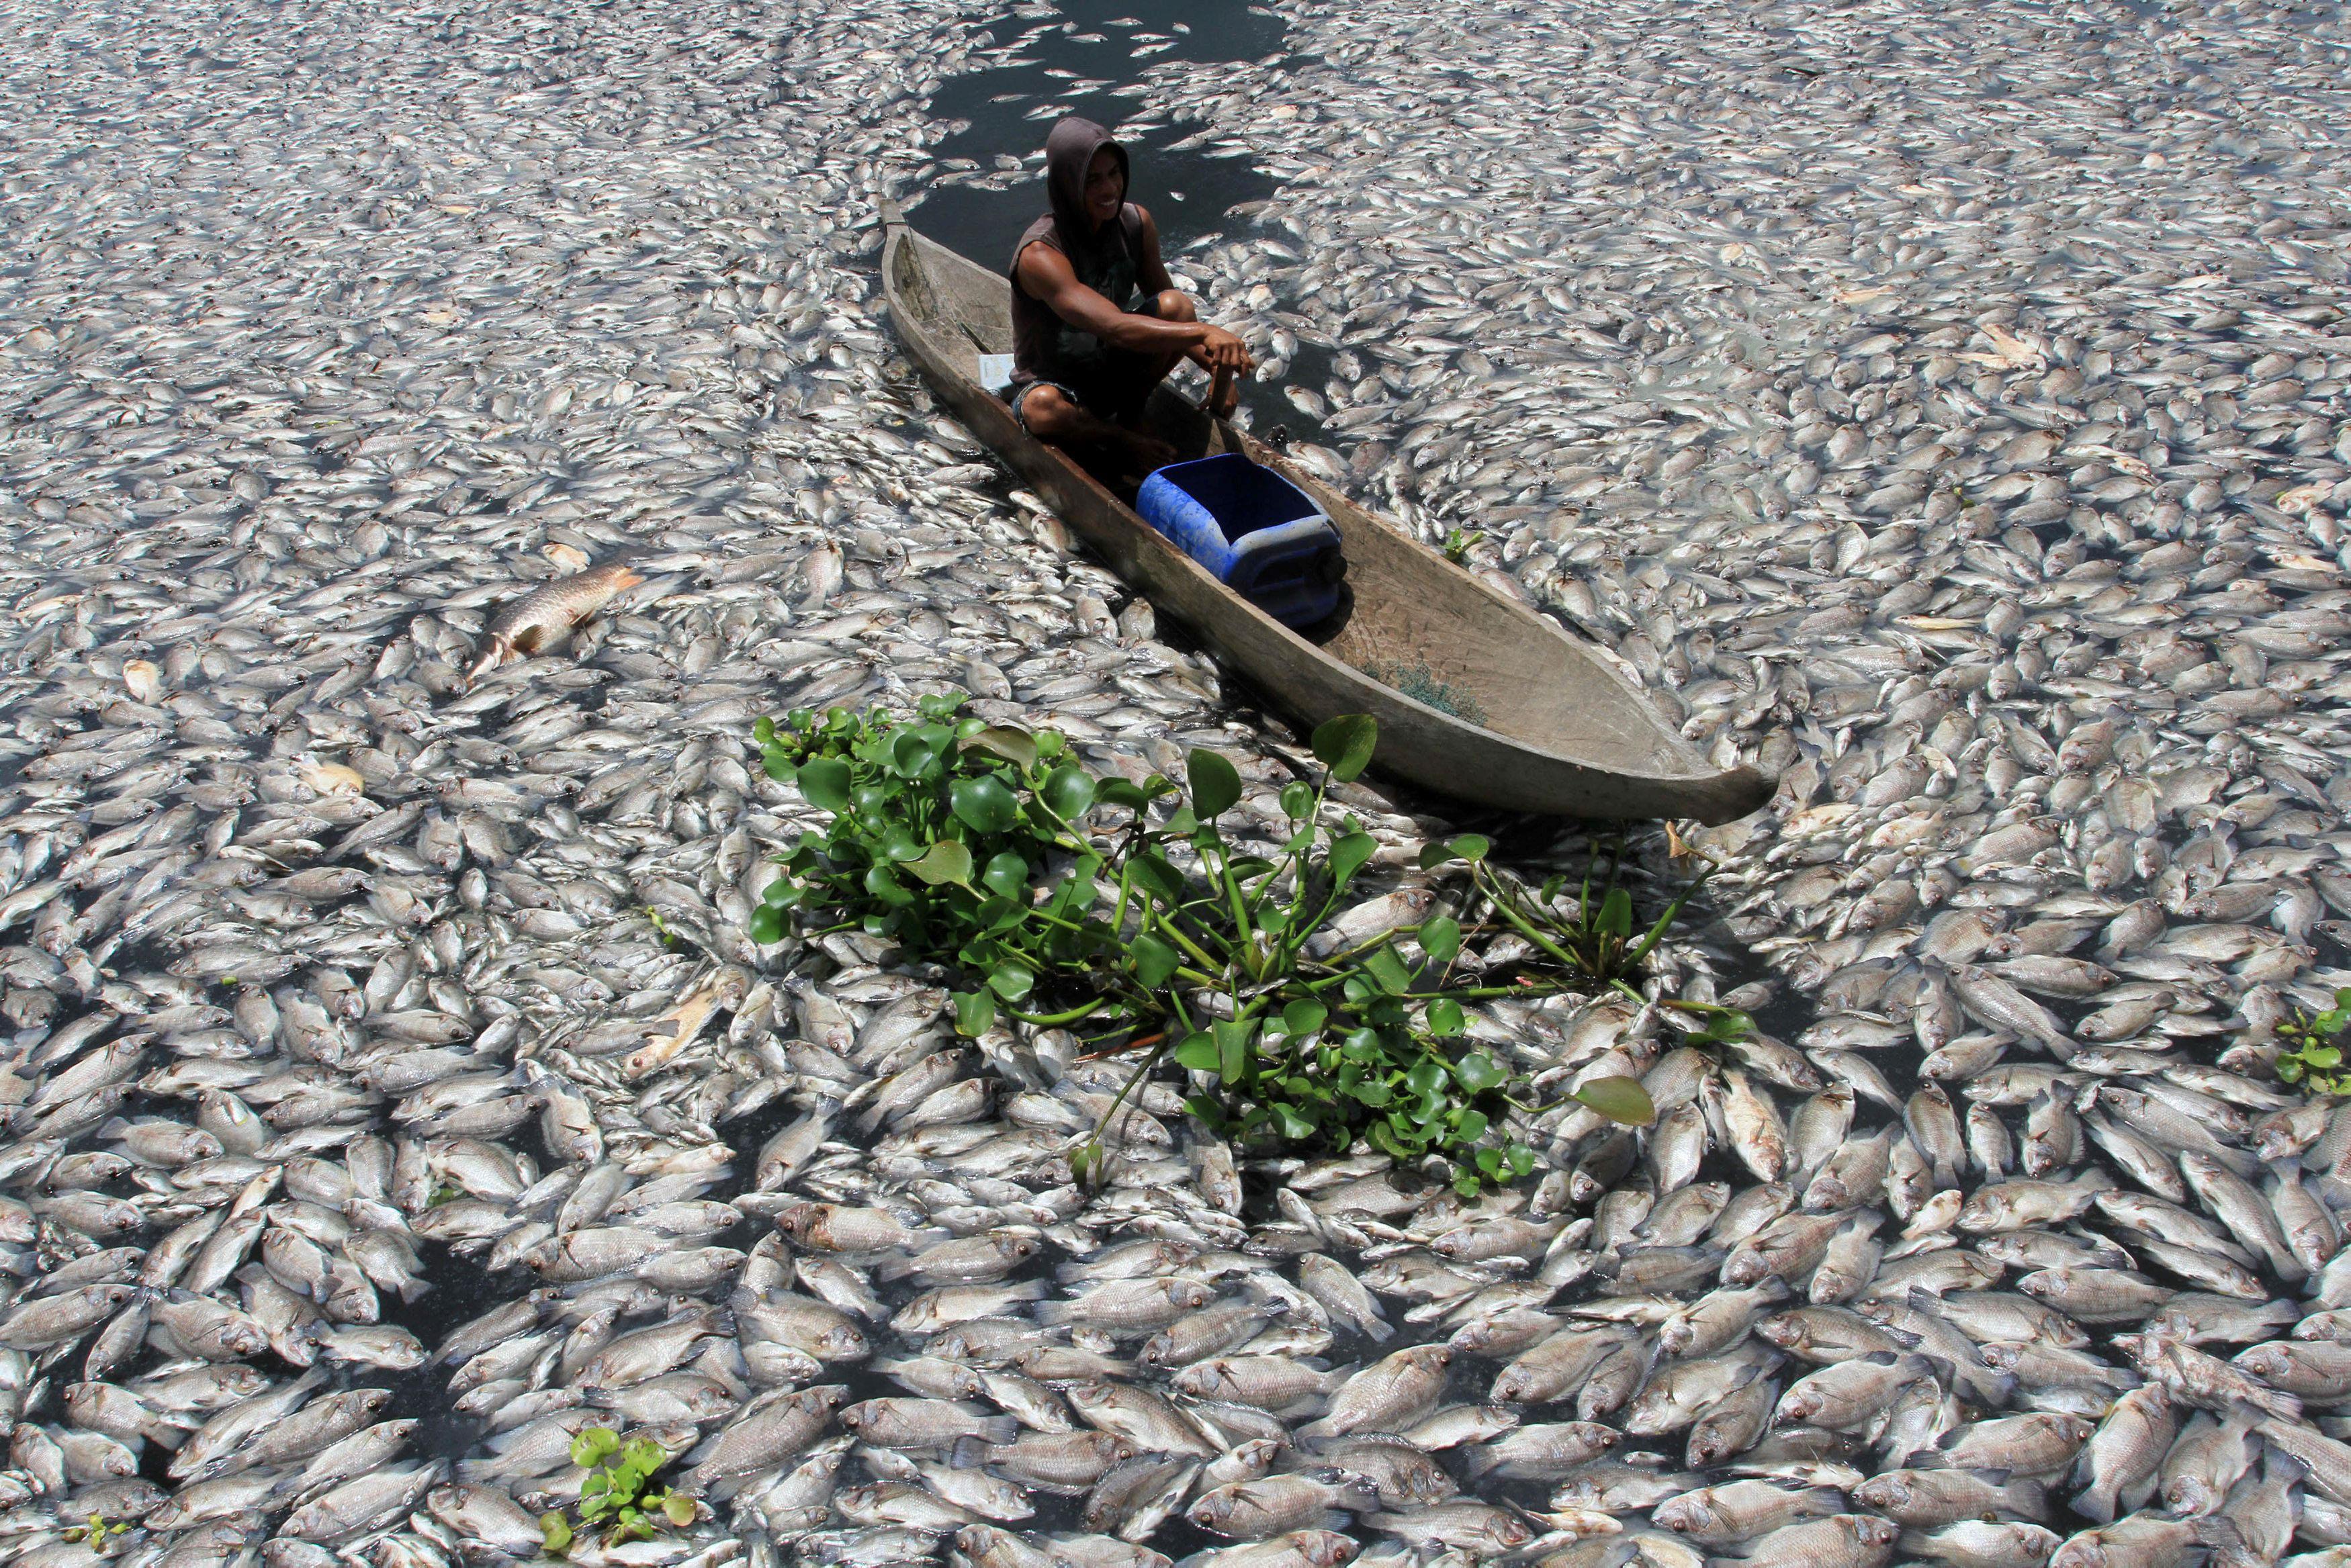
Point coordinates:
[[1096, 321]]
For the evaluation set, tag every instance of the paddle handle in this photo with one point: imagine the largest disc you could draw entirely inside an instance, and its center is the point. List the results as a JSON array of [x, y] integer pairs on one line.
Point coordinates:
[[1218, 382]]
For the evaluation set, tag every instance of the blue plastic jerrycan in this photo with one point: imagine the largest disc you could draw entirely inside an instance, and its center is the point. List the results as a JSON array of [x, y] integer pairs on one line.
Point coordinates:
[[1261, 535]]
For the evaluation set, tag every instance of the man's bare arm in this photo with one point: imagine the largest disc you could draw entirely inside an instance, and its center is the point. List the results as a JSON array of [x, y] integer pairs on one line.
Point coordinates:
[[1046, 274]]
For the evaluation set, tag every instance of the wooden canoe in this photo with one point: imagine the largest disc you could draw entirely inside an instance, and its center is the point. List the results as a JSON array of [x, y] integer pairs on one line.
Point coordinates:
[[1562, 734]]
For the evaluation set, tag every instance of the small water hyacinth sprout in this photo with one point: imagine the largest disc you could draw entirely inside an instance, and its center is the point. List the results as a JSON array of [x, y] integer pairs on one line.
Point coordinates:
[[618, 1493], [2310, 1048], [94, 1530]]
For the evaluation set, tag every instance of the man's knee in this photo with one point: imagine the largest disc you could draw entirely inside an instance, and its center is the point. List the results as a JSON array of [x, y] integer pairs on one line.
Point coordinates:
[[1045, 411], [1174, 305]]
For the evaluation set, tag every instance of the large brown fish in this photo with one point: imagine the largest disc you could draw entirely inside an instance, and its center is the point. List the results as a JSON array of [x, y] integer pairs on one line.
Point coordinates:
[[540, 619]]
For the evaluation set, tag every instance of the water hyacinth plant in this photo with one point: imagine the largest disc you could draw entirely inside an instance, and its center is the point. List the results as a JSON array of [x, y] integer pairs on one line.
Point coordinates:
[[1305, 1013]]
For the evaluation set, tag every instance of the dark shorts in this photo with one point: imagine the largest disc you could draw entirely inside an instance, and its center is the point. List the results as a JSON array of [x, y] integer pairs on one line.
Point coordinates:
[[1110, 383]]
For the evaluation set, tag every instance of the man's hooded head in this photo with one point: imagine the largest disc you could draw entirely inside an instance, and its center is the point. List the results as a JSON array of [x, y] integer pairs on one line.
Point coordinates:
[[1069, 153]]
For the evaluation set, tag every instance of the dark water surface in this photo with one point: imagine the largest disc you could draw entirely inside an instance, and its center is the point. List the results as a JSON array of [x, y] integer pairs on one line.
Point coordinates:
[[1011, 108], [1093, 44]]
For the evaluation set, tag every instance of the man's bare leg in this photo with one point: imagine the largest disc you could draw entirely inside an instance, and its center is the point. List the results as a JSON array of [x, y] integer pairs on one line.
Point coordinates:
[[1053, 418]]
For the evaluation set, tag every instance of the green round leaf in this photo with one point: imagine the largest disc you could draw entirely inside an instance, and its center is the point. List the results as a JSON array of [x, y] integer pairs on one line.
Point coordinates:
[[983, 803], [1476, 1072], [1297, 800], [1427, 1077], [824, 783], [557, 1532], [1344, 745], [1007, 875], [1444, 1020], [1305, 1016], [975, 1011], [911, 753], [767, 925], [1620, 1100], [887, 888], [1124, 793], [594, 1445], [1015, 746], [1615, 914], [778, 764], [1469, 1126], [1154, 961], [2289, 1070], [1388, 971], [1215, 783], [1440, 938], [898, 844], [1232, 1036], [1350, 855], [1011, 981], [763, 731], [1153, 875], [679, 1510], [945, 861], [1050, 742], [1068, 791], [2322, 1056], [1199, 1052], [1472, 846]]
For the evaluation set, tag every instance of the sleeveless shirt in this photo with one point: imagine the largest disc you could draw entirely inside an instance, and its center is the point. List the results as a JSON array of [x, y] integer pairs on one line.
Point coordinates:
[[1044, 347]]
